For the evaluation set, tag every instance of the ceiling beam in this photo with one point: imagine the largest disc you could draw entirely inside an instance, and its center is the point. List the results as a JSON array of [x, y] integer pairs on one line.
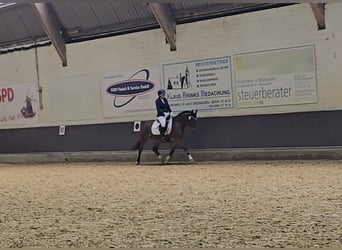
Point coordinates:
[[167, 21], [318, 10], [52, 27]]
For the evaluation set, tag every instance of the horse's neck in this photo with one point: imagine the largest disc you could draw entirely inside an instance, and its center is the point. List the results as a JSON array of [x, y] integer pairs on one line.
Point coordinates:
[[182, 120]]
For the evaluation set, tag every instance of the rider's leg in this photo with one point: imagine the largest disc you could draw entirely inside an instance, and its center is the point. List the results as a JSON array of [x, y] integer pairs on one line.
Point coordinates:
[[162, 128]]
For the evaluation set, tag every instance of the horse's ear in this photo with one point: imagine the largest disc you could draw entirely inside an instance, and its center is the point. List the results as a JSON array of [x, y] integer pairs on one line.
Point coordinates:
[[196, 112]]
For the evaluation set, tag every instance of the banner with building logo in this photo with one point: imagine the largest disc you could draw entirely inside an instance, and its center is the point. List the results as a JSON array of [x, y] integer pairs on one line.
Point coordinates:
[[18, 104], [279, 77], [130, 93], [199, 85]]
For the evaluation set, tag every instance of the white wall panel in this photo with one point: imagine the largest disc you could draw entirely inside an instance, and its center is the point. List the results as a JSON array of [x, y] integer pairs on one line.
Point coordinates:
[[75, 98], [273, 29]]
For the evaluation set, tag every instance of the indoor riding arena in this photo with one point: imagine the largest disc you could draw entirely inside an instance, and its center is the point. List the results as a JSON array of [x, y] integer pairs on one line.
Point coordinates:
[[251, 96]]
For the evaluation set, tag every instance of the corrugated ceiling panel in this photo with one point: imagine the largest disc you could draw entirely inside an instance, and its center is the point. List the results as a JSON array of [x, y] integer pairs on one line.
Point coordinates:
[[76, 15], [188, 5], [88, 18], [16, 25], [84, 20], [125, 12], [143, 11], [30, 21], [105, 14], [5, 34], [65, 15], [185, 12], [84, 14]]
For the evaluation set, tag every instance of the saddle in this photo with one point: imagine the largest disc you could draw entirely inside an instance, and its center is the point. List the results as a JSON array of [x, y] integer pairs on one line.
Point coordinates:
[[155, 126]]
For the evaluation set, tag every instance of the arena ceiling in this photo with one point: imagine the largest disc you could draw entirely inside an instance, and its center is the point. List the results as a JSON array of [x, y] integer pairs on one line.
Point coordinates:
[[26, 25]]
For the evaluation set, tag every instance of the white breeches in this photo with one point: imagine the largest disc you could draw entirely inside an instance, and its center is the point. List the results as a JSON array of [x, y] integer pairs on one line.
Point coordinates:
[[162, 120]]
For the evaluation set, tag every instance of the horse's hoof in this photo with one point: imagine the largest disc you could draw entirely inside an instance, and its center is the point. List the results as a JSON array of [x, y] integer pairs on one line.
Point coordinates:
[[137, 163], [190, 158], [167, 160]]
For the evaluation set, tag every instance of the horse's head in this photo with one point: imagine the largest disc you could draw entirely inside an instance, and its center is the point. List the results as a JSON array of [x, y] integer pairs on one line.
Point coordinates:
[[187, 119]]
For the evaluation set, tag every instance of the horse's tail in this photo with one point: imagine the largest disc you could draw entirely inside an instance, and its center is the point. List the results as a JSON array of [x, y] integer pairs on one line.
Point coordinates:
[[137, 146]]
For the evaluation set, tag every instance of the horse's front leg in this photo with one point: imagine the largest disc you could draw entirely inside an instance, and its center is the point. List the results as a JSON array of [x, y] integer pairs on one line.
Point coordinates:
[[155, 150], [171, 153], [188, 154]]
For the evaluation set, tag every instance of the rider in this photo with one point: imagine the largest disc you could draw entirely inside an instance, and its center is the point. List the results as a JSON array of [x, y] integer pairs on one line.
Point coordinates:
[[163, 110]]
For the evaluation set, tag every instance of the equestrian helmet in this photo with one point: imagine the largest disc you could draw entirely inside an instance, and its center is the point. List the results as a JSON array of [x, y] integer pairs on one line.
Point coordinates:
[[161, 91]]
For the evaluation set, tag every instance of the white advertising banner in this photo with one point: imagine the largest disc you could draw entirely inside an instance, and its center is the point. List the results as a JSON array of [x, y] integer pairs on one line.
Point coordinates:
[[199, 85], [280, 77], [18, 104], [130, 93]]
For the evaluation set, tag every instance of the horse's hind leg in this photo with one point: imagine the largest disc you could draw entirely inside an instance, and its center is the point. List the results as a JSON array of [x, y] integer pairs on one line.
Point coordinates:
[[155, 150], [139, 155], [141, 147]]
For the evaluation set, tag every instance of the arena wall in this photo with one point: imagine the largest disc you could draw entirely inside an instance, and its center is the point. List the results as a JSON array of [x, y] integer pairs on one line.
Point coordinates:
[[73, 96]]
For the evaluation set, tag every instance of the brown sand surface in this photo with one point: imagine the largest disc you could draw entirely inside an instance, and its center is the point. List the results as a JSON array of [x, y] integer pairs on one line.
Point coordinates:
[[221, 204]]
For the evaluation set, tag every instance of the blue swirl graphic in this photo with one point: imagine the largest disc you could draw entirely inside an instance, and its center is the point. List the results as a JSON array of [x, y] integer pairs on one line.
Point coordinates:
[[131, 87]]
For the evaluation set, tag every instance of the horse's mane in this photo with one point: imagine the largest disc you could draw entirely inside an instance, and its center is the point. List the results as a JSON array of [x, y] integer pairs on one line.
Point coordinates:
[[182, 113]]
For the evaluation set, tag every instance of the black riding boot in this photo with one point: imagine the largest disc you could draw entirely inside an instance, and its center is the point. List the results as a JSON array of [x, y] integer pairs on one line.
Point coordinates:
[[162, 133]]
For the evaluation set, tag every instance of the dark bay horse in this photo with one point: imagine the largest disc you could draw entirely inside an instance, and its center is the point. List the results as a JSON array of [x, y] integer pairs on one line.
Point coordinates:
[[179, 123]]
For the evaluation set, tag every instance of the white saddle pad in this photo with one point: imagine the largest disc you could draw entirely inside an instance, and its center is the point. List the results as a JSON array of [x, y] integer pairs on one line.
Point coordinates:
[[155, 127]]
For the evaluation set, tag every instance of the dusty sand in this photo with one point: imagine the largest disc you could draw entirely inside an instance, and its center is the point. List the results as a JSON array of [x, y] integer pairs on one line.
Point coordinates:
[[234, 204]]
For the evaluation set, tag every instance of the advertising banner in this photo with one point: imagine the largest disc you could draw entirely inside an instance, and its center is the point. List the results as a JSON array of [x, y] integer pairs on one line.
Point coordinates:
[[130, 93], [18, 104], [199, 85], [280, 77]]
